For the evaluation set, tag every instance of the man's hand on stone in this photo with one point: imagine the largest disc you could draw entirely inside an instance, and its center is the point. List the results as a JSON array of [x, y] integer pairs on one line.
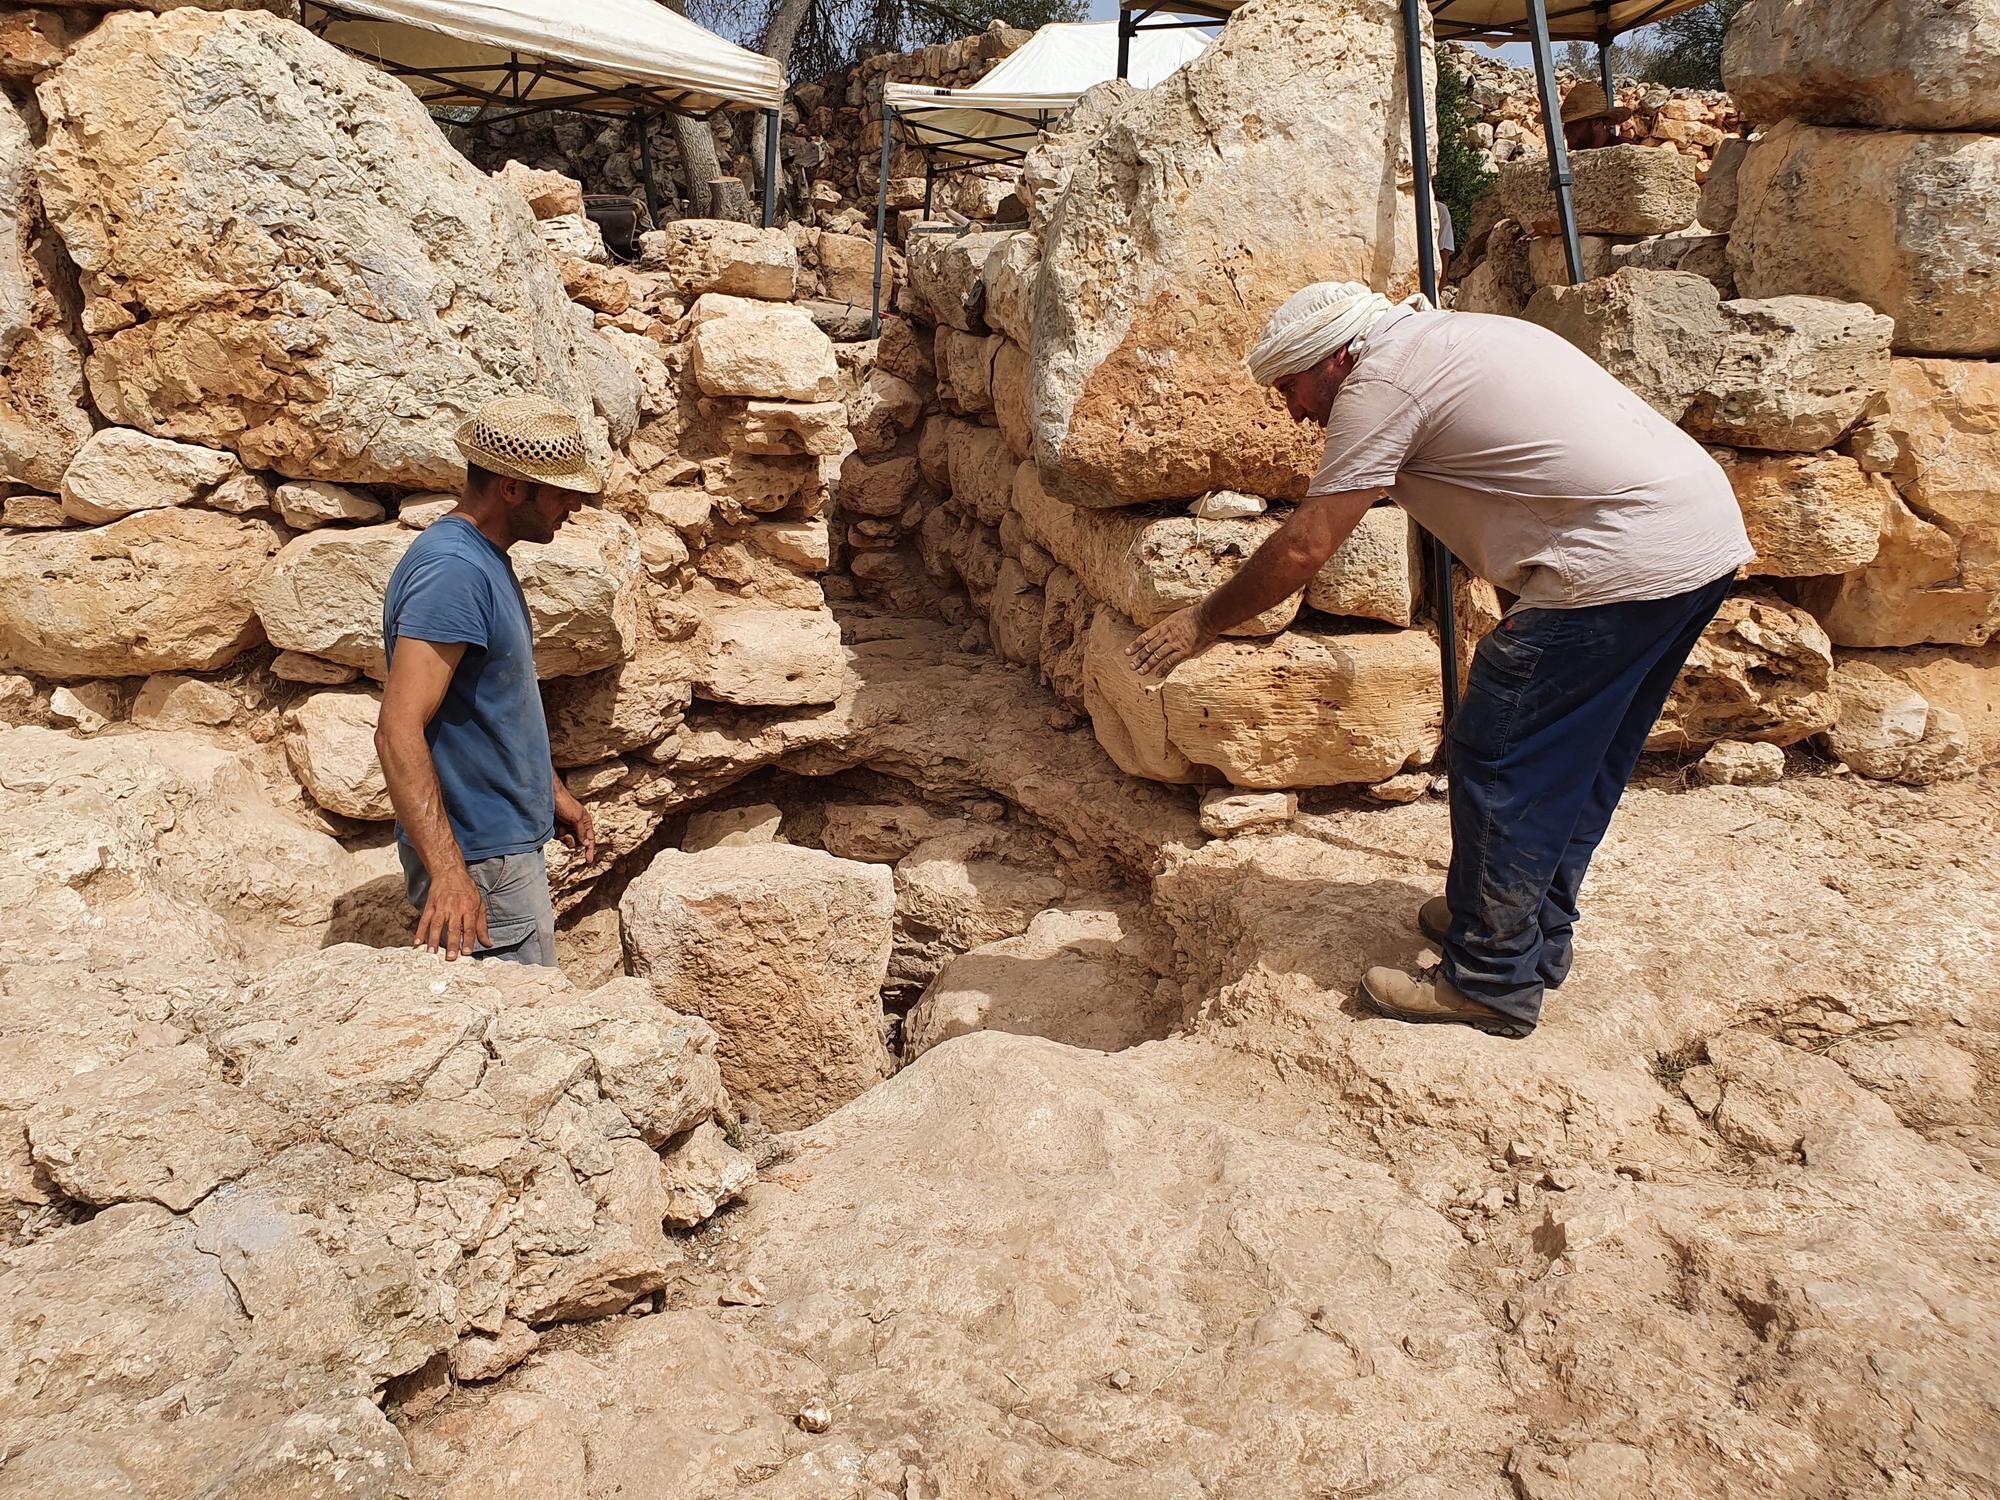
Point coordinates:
[[1166, 645], [574, 824], [454, 917]]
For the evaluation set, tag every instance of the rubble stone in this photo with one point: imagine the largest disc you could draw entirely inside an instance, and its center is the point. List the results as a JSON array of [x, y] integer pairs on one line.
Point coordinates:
[[1616, 190], [1224, 813], [1658, 332], [753, 654], [1808, 514], [1934, 429], [42, 417], [1762, 671], [119, 472], [1913, 592], [721, 255], [1885, 729], [330, 742], [306, 504], [1793, 375], [775, 355], [1741, 763]]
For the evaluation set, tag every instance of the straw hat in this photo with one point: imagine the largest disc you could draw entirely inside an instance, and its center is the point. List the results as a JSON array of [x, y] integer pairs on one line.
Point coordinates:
[[1585, 101], [526, 436]]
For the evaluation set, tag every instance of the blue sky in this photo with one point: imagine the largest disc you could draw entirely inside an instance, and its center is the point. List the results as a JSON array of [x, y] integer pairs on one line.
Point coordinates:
[[1515, 52]]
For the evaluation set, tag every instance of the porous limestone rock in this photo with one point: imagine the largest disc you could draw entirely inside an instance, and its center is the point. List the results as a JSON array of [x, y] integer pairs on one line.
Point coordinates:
[[32, 513], [165, 590], [380, 289], [1887, 730], [981, 471], [1617, 190], [885, 407], [1691, 250], [847, 268], [1793, 374], [86, 708], [944, 271], [1935, 431], [1807, 514], [1224, 812], [703, 1173], [1015, 613], [1908, 222], [1012, 377], [962, 888], [1009, 276], [1305, 709], [169, 699], [1962, 680], [783, 950], [1741, 763], [549, 195], [754, 654], [308, 503], [1503, 281], [42, 417], [323, 595], [881, 832], [732, 827], [721, 255], [1718, 189], [119, 472], [1762, 671], [1149, 295], [770, 351], [965, 370], [1658, 332], [1376, 574], [631, 704], [1085, 976], [1913, 64], [330, 742], [1916, 590]]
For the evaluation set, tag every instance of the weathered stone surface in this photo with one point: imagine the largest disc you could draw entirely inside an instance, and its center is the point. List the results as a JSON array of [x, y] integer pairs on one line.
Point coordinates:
[[1659, 332], [119, 472], [965, 370], [1962, 680], [1697, 253], [962, 888], [323, 595], [549, 195], [1149, 297], [1885, 729], [775, 354], [1009, 277], [1808, 514], [847, 268], [163, 591], [32, 513], [1224, 813], [1762, 671], [330, 742], [886, 407], [703, 1173], [1376, 574], [1741, 763], [1015, 613], [635, 703], [1916, 64], [879, 486], [881, 833], [1013, 377], [721, 255], [33, 40], [169, 699], [1907, 222], [1504, 280], [981, 470], [1718, 191], [1303, 710], [1935, 431], [753, 654], [1084, 976], [1914, 592], [42, 418], [1793, 374], [381, 289], [1617, 190], [732, 827], [310, 503], [783, 950], [944, 269]]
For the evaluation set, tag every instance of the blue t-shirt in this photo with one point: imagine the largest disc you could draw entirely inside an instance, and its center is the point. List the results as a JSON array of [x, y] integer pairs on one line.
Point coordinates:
[[488, 738]]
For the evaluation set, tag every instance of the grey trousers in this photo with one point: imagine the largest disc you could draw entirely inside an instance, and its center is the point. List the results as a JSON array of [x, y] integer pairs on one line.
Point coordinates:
[[520, 919]]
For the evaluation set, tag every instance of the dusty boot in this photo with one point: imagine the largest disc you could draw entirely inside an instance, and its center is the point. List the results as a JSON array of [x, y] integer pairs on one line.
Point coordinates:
[[1434, 919], [1391, 992]]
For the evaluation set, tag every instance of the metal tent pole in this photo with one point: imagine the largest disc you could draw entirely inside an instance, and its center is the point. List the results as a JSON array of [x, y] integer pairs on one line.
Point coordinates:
[[645, 119], [770, 167], [1420, 159], [930, 181], [881, 218], [1126, 26], [1559, 178], [1604, 68]]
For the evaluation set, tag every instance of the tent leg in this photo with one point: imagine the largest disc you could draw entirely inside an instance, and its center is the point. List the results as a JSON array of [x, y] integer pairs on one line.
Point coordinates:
[[1559, 178], [881, 218], [1126, 26], [930, 182], [770, 167], [1420, 159], [1604, 67], [644, 120]]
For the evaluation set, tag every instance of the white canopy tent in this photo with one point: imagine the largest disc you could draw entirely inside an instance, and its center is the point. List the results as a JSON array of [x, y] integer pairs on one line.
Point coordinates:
[[999, 117]]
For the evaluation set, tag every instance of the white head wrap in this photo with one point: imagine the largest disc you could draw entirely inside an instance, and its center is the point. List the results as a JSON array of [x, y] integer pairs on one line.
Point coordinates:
[[1320, 320]]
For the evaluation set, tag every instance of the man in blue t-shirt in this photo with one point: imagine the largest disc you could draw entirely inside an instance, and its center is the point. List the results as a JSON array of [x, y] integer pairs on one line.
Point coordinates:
[[461, 737]]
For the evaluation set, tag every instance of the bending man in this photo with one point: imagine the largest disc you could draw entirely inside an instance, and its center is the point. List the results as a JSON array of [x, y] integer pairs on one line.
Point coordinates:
[[1615, 532], [461, 737]]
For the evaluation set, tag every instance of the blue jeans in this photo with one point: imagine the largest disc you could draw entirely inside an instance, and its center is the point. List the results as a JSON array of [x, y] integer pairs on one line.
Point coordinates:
[[1557, 707], [520, 917]]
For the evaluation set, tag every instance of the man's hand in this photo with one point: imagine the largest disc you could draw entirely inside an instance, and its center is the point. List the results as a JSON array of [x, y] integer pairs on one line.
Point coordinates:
[[574, 824], [1180, 635], [454, 916]]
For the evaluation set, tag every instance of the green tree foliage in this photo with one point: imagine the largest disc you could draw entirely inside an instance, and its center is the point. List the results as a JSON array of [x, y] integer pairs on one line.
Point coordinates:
[[1460, 177], [827, 36], [1686, 52]]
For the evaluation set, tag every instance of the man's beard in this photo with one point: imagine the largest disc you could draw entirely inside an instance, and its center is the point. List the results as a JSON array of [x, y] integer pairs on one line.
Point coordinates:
[[528, 523]]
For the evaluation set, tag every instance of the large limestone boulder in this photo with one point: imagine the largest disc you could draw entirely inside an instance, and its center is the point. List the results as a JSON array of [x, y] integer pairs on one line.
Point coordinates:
[[1808, 514], [721, 255], [1616, 190], [1935, 431], [1276, 158], [323, 595], [163, 591], [1792, 373], [330, 742], [1762, 671], [1913, 64], [961, 889], [755, 654], [769, 351], [119, 471], [1886, 730], [281, 255], [1907, 222], [1302, 710], [1658, 332], [1914, 592], [783, 950], [42, 416]]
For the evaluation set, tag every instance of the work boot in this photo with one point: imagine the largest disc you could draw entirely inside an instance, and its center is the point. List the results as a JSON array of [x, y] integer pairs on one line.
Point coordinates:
[[1434, 919], [1392, 993]]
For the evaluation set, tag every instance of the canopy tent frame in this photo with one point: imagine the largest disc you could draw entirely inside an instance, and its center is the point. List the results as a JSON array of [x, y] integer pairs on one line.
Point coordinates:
[[521, 72]]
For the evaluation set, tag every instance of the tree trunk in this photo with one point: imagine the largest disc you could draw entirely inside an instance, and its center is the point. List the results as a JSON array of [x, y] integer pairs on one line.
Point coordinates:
[[697, 147], [780, 36]]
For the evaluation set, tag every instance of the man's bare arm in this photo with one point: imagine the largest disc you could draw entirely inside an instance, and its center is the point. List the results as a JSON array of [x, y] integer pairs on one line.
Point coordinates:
[[1286, 563], [454, 916]]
